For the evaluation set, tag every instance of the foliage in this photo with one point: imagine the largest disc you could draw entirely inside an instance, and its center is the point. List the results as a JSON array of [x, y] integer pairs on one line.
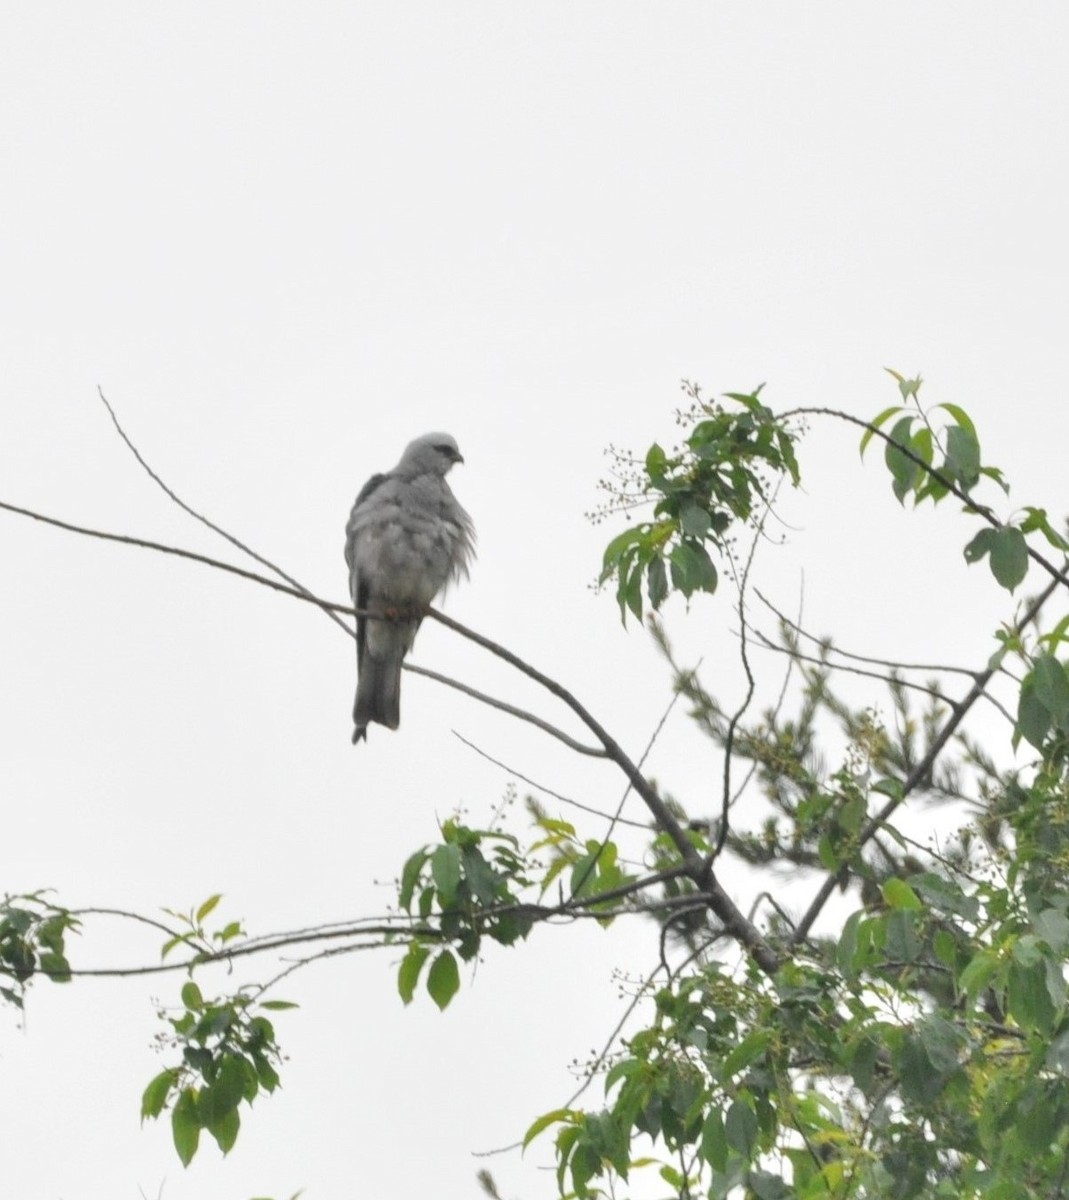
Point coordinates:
[[32, 942], [229, 1053], [698, 491], [923, 1050], [915, 1045], [461, 895]]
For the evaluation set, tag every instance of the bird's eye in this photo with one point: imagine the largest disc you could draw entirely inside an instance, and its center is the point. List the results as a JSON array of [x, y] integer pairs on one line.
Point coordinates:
[[442, 448]]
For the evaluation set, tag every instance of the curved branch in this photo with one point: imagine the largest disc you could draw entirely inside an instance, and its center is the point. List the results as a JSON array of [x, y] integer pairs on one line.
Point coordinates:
[[541, 787], [797, 656], [730, 915], [519, 713], [264, 562]]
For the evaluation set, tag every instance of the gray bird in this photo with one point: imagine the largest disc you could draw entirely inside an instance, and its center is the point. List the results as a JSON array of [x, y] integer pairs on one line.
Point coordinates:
[[407, 538]]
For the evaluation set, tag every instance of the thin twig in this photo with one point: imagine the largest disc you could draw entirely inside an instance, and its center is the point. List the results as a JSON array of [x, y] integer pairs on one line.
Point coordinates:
[[865, 658], [541, 787], [616, 817], [796, 655], [737, 715], [519, 713], [264, 562]]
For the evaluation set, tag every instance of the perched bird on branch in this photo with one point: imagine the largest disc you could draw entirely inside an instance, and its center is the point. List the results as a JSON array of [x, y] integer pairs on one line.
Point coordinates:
[[406, 540]]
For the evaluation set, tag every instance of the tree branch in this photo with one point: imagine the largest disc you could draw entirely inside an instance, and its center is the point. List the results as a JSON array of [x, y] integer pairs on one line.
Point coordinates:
[[919, 772], [981, 510]]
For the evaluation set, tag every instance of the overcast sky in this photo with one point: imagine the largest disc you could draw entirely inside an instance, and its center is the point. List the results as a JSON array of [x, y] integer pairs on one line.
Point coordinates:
[[285, 240]]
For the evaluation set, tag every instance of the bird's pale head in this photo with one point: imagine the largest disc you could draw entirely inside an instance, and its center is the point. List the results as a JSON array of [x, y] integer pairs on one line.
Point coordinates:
[[432, 453]]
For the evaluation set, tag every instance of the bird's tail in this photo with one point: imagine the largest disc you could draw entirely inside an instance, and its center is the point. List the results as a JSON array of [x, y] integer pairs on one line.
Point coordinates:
[[378, 694]]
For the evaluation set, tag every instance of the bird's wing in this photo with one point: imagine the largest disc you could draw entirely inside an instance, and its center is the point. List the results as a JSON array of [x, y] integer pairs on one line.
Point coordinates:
[[372, 485]]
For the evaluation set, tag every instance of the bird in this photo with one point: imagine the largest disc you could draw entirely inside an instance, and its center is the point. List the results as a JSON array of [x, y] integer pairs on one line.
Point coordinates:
[[406, 540]]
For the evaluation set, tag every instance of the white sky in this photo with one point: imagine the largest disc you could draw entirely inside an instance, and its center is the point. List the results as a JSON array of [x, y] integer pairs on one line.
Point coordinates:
[[286, 239]]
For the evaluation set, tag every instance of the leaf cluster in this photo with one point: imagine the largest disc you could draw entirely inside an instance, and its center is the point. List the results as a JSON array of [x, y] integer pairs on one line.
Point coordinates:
[[715, 479], [462, 890], [32, 942], [229, 1053], [922, 1049]]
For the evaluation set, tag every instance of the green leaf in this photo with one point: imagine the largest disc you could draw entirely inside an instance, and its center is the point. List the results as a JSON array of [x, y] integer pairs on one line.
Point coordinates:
[[657, 583], [1033, 717], [846, 951], [1051, 687], [55, 966], [557, 1116], [899, 894], [1037, 519], [410, 877], [624, 1069], [169, 945], [409, 971], [656, 462], [862, 1059], [695, 520], [740, 1128], [1008, 551], [963, 455], [904, 470], [960, 415], [766, 1186], [945, 895], [752, 1046], [191, 997], [185, 1126], [1009, 557], [225, 1129], [922, 444], [1055, 983], [445, 871], [707, 576], [1052, 926], [207, 907], [265, 1073], [1027, 997], [942, 1043], [443, 980], [155, 1095], [617, 547], [630, 593], [979, 546], [875, 424], [714, 1144], [279, 1005], [908, 387], [889, 786]]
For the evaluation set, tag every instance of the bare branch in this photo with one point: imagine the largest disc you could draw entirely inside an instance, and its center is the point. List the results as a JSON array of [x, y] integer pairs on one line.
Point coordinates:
[[796, 655], [519, 713], [548, 791], [264, 562], [865, 658]]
